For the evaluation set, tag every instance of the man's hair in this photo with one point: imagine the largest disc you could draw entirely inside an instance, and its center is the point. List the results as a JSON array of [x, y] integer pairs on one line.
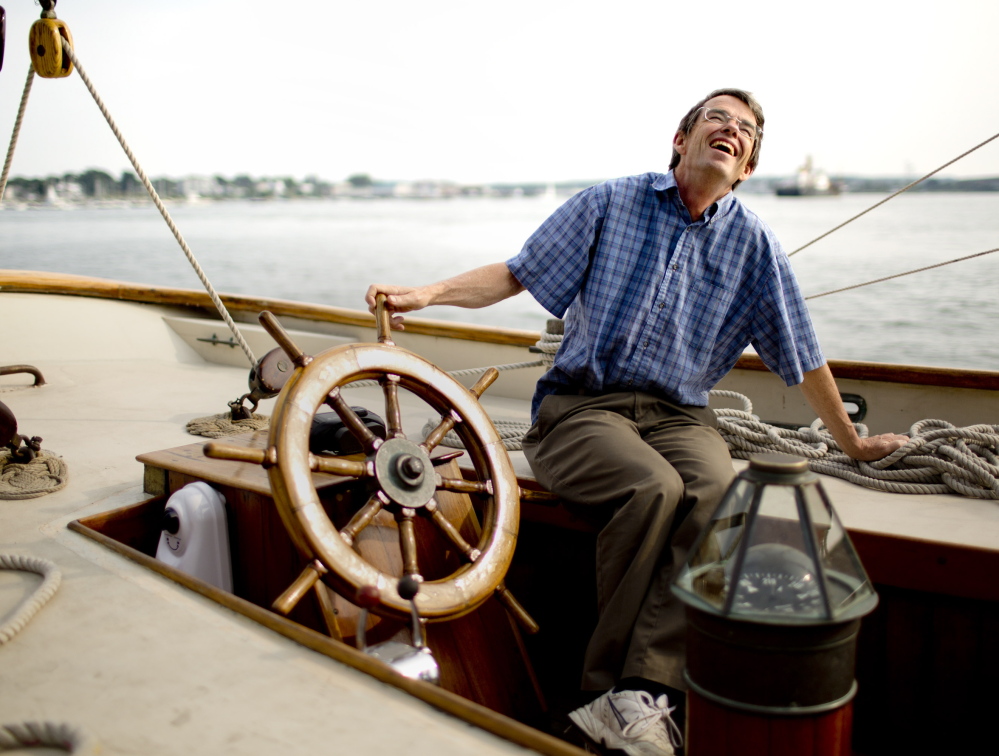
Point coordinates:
[[688, 121]]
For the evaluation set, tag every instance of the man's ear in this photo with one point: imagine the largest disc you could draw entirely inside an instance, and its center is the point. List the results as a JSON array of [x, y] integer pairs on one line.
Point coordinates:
[[680, 143]]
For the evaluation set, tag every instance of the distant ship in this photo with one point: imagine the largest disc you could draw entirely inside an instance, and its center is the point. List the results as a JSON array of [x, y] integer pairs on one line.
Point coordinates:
[[808, 183]]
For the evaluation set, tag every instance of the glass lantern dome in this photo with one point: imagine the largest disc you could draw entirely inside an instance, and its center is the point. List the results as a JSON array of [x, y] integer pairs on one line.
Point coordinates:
[[775, 552]]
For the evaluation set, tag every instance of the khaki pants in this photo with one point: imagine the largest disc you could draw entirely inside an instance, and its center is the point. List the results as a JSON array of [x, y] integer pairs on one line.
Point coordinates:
[[653, 473]]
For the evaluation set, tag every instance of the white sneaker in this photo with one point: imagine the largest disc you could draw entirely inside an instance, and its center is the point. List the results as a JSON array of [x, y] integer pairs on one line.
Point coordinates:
[[631, 721]]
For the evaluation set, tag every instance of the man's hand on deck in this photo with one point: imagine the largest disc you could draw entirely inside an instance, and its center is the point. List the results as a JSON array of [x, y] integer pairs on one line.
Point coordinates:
[[820, 390], [877, 447]]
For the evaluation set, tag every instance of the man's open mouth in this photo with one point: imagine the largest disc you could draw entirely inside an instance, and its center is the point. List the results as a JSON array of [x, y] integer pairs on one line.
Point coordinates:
[[720, 144]]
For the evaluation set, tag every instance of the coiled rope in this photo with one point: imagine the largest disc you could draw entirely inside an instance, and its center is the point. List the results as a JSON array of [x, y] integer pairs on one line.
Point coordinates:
[[51, 577], [44, 474], [14, 737], [939, 458]]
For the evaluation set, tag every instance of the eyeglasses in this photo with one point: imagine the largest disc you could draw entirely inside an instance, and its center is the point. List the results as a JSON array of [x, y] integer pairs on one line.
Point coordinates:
[[716, 115]]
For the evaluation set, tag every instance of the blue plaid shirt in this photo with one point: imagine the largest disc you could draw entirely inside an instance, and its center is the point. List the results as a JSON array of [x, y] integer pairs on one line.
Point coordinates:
[[654, 302]]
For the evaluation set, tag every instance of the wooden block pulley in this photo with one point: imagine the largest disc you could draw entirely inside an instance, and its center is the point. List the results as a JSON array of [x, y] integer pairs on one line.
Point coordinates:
[[45, 45]]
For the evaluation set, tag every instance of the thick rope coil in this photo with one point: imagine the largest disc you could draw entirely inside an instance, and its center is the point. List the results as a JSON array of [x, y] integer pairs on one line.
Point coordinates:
[[939, 457], [221, 425], [51, 577], [67, 737], [550, 341], [44, 474]]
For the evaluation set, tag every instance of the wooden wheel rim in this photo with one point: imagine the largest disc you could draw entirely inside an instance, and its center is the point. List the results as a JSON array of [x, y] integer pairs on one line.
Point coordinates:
[[310, 527]]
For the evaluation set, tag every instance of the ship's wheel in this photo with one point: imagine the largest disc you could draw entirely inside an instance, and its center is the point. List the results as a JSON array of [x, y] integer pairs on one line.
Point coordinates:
[[397, 470]]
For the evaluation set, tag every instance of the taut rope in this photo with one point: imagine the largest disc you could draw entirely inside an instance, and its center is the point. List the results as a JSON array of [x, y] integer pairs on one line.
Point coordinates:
[[17, 130], [907, 273], [216, 300], [160, 206], [905, 188]]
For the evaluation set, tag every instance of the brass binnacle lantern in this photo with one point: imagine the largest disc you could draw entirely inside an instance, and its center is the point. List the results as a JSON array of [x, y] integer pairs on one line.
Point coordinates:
[[775, 592]]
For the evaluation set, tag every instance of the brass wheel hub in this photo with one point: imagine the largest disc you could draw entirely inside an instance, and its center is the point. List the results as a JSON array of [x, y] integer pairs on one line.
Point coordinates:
[[404, 473]]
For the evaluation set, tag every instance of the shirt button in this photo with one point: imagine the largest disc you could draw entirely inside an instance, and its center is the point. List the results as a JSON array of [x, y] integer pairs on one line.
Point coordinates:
[[645, 345], [675, 266], [661, 305]]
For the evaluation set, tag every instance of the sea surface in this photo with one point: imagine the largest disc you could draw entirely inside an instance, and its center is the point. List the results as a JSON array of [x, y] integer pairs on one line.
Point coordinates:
[[328, 251]]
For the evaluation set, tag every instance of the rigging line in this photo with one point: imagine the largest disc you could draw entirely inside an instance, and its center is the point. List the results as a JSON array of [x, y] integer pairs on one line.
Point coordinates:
[[17, 130], [159, 206], [892, 196], [907, 273]]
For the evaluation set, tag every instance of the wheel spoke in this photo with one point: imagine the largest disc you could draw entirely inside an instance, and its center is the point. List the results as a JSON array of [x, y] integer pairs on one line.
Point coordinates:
[[361, 519], [541, 497], [369, 441], [516, 609], [277, 332], [220, 450], [460, 485], [442, 522], [448, 421], [383, 321], [437, 434], [352, 468], [484, 382], [407, 542], [393, 413]]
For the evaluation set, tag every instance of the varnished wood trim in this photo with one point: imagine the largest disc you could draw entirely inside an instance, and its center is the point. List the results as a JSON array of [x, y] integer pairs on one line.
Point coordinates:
[[890, 373], [86, 286], [59, 283], [469, 711], [935, 567]]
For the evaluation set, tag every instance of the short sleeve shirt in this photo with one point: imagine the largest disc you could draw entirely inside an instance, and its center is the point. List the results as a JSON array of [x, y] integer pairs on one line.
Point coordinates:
[[656, 302]]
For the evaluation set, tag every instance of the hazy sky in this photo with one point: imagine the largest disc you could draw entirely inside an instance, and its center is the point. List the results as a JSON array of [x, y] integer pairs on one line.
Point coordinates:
[[518, 90]]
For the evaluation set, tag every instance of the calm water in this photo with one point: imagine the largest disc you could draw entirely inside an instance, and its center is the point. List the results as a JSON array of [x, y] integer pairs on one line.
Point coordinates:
[[329, 251]]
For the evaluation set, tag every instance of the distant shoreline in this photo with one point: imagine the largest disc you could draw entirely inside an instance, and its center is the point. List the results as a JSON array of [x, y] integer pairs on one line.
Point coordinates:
[[96, 186]]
